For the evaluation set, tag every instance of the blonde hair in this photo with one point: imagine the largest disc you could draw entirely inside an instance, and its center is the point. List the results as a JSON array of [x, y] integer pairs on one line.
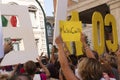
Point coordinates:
[[90, 69], [4, 76]]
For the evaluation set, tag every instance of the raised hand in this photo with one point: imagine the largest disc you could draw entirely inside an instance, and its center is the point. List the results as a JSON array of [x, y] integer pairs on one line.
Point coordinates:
[[58, 40], [39, 59], [118, 51], [8, 47], [53, 49], [83, 38]]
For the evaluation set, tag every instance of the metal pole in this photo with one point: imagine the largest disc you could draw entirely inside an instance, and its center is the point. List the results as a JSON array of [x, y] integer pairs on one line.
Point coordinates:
[[47, 44]]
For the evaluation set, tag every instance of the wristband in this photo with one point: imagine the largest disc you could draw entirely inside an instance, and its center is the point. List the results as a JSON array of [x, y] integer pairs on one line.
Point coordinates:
[[86, 47]]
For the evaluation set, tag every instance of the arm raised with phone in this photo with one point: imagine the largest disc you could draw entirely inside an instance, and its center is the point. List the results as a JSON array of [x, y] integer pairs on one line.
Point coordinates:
[[7, 47]]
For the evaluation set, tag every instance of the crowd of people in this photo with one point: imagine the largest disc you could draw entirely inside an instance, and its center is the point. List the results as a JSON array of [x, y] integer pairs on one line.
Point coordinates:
[[63, 65]]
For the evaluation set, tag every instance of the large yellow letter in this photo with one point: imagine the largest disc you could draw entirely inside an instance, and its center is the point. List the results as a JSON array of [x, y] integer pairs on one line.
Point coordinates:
[[109, 19], [98, 32]]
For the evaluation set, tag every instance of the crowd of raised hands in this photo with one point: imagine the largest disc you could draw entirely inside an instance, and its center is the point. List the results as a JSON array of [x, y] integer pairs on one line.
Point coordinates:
[[63, 65], [91, 66]]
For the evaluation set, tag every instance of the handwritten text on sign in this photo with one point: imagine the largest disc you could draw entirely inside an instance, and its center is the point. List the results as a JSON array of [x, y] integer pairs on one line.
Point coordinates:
[[70, 30]]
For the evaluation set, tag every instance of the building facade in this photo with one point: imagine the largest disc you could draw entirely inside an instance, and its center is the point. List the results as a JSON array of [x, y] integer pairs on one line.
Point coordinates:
[[50, 30], [86, 8], [37, 20], [85, 12], [104, 7]]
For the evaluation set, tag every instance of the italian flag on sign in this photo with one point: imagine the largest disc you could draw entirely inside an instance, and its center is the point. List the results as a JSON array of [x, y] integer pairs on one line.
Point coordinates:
[[13, 21]]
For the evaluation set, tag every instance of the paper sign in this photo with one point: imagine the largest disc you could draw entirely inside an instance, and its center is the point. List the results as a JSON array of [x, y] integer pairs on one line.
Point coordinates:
[[112, 45], [24, 32], [70, 30], [99, 42]]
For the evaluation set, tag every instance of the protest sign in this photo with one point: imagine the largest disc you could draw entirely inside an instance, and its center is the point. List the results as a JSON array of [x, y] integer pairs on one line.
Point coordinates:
[[70, 30], [98, 24], [24, 32]]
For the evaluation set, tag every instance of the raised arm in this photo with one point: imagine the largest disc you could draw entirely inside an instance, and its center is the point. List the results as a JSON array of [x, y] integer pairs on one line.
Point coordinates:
[[88, 51], [7, 48], [43, 66], [14, 70], [118, 59], [69, 75], [54, 50]]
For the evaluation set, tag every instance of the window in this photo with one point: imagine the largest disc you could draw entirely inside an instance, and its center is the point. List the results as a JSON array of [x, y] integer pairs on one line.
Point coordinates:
[[18, 44], [32, 12], [49, 29], [37, 41], [12, 3]]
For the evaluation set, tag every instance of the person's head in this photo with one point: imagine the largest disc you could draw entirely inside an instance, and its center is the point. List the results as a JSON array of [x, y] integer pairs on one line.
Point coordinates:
[[30, 67], [73, 59], [90, 69], [3, 76], [112, 59], [107, 68], [55, 49], [21, 77]]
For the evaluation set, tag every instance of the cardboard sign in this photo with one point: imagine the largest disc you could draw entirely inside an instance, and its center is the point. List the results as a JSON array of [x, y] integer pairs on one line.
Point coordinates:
[[70, 30], [24, 32], [99, 40]]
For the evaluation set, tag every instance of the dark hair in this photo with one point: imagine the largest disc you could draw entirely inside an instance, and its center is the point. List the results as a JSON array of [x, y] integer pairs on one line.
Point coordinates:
[[73, 59], [96, 55], [30, 67], [15, 77], [56, 49], [107, 68]]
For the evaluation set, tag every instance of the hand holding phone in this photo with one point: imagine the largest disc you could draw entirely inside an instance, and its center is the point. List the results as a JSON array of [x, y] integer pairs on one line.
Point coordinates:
[[7, 45], [7, 39]]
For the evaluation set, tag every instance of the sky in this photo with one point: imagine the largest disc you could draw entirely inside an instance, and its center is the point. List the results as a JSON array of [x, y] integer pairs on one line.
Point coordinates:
[[48, 7]]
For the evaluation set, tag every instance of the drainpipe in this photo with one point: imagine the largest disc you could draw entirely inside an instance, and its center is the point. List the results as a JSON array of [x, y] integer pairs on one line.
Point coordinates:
[[47, 44]]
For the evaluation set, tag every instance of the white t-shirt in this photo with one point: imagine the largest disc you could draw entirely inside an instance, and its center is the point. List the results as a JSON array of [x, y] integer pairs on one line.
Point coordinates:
[[109, 79], [37, 77], [77, 75]]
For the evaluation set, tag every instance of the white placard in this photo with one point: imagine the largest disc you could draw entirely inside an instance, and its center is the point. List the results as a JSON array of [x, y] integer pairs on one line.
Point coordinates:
[[61, 13], [24, 32]]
